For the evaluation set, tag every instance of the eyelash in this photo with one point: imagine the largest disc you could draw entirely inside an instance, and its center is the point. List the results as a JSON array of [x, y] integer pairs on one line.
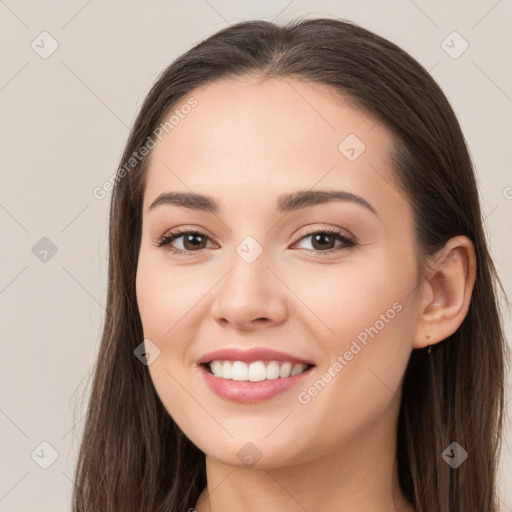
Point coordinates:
[[166, 240]]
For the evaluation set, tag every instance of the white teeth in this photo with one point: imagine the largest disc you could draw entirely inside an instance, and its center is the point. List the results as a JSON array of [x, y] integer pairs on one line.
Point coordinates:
[[255, 371], [285, 370], [296, 370], [239, 371], [227, 368], [273, 370], [216, 367]]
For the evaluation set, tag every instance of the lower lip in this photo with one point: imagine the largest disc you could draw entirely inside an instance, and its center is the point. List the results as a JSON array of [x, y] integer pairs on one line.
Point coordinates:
[[251, 392]]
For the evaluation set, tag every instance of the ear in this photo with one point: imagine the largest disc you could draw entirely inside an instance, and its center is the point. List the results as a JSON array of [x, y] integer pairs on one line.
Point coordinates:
[[446, 292]]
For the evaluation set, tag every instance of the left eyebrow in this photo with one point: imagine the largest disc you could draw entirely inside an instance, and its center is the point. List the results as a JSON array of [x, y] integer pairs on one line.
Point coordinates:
[[305, 198], [285, 203]]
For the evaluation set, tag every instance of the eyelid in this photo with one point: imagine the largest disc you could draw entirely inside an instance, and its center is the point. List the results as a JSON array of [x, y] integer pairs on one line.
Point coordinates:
[[308, 230], [184, 230]]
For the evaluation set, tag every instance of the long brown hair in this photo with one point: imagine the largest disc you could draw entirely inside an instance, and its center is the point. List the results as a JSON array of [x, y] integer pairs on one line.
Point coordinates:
[[133, 457]]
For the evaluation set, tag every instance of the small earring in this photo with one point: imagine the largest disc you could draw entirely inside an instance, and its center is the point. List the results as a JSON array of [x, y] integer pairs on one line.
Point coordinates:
[[429, 349]]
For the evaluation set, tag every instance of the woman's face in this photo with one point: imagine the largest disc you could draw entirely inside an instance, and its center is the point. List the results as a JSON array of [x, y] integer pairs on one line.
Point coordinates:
[[330, 283]]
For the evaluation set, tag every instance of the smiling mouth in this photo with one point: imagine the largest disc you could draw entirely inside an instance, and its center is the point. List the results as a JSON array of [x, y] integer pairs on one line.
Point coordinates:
[[255, 371]]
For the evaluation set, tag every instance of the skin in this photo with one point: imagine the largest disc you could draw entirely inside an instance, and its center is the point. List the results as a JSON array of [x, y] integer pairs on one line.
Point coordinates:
[[247, 142]]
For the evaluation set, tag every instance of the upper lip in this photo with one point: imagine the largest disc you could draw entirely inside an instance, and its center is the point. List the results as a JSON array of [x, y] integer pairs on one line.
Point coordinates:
[[250, 355]]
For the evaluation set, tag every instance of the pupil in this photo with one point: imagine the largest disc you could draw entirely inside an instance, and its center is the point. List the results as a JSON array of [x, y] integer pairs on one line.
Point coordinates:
[[317, 237]]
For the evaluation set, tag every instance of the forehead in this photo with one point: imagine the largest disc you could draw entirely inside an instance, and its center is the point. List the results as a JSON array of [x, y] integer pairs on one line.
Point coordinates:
[[247, 138]]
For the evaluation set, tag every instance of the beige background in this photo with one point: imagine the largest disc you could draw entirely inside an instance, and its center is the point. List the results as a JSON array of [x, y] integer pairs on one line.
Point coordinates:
[[64, 121]]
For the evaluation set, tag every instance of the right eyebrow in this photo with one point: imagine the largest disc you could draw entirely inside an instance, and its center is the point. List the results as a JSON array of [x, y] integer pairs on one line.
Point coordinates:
[[186, 200]]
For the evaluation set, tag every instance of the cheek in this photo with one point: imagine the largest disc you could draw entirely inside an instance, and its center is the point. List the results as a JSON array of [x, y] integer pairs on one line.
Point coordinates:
[[165, 302], [338, 302], [363, 324], [165, 296]]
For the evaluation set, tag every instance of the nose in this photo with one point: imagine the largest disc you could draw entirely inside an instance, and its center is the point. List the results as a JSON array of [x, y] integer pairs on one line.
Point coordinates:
[[250, 296]]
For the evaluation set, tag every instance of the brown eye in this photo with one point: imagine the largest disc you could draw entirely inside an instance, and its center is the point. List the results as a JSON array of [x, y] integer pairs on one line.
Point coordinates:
[[325, 240], [193, 241]]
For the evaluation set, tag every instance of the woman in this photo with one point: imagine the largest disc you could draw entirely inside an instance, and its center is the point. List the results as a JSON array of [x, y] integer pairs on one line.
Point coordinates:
[[302, 310]]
